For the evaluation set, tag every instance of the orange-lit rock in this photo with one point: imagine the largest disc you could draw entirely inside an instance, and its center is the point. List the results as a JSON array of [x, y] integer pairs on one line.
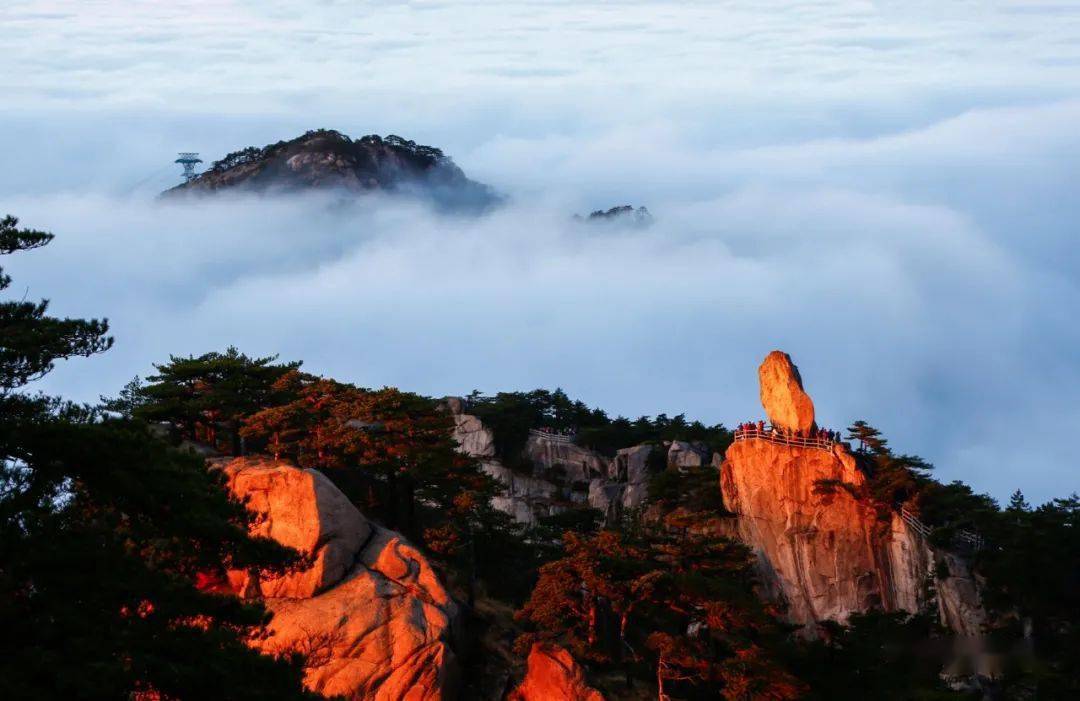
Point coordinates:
[[786, 403], [303, 510], [816, 549], [824, 552], [378, 624], [553, 675]]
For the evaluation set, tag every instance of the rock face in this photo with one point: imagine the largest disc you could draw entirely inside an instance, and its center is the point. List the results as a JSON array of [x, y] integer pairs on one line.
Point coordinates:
[[631, 467], [782, 395], [305, 511], [565, 474], [579, 464], [553, 675], [827, 554], [473, 437], [815, 549], [823, 551], [523, 497], [326, 159], [371, 615], [682, 455]]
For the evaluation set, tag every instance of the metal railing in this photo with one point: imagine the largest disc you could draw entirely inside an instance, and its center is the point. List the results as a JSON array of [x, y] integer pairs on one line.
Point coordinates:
[[774, 435], [552, 436], [969, 538]]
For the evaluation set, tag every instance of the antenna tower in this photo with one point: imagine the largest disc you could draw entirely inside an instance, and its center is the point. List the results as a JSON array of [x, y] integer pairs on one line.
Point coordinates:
[[188, 160]]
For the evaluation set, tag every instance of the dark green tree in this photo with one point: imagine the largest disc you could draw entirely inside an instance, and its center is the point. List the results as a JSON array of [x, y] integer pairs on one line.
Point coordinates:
[[1031, 575], [31, 341], [211, 394], [103, 531], [888, 656], [892, 479]]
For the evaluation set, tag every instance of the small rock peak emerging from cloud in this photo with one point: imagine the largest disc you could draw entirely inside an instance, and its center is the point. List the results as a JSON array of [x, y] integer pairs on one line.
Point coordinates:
[[623, 214], [329, 160], [786, 403]]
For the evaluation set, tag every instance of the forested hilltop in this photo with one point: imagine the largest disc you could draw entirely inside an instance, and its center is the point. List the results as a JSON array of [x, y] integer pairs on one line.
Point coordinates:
[[235, 527], [327, 160]]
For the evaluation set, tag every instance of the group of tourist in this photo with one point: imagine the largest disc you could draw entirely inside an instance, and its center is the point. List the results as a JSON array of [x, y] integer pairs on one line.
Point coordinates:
[[760, 430]]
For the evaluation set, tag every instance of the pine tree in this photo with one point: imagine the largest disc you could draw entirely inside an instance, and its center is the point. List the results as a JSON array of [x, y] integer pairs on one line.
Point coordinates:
[[893, 479], [103, 530], [30, 340], [1017, 503], [214, 391]]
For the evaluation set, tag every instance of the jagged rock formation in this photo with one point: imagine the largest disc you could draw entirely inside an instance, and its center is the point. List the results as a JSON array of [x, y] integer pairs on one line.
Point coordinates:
[[553, 675], [822, 549], [326, 159], [782, 395], [564, 474], [371, 615]]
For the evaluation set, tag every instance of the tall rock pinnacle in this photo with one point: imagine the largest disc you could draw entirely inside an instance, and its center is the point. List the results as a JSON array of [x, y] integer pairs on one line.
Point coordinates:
[[786, 403]]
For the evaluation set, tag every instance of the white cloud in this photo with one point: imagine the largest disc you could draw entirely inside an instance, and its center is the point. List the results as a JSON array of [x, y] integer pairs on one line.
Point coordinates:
[[885, 190]]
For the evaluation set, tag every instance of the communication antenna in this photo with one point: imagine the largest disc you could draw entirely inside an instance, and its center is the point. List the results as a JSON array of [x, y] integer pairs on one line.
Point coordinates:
[[188, 160]]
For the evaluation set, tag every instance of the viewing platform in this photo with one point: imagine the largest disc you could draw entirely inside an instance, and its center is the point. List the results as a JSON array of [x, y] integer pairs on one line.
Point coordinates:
[[552, 436], [779, 437]]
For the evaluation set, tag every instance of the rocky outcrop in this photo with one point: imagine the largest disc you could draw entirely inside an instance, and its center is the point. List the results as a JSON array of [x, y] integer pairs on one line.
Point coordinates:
[[631, 467], [623, 214], [473, 437], [577, 464], [553, 675], [303, 510], [523, 497], [328, 160], [822, 548], [565, 474], [606, 497], [682, 455], [827, 554], [782, 395], [370, 614], [815, 547]]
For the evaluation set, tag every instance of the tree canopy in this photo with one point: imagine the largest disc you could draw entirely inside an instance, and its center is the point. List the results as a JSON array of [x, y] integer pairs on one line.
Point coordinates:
[[103, 530]]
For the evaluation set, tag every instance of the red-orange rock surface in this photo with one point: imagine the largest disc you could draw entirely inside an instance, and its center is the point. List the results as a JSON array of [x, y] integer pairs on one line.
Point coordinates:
[[303, 510], [372, 617], [553, 675], [816, 549], [786, 403]]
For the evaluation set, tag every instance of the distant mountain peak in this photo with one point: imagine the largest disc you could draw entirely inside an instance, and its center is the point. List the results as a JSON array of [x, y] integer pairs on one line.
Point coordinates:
[[622, 214], [325, 159]]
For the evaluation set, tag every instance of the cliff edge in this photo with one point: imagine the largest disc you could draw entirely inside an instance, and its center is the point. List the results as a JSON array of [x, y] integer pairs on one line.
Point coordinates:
[[823, 548]]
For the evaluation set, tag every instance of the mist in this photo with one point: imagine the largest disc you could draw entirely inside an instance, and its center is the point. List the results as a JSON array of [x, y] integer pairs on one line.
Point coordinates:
[[888, 196]]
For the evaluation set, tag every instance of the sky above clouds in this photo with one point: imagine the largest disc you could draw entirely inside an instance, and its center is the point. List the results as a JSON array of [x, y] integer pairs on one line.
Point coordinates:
[[886, 190]]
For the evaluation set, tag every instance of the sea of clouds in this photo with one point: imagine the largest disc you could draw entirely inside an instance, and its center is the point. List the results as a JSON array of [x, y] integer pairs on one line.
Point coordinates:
[[885, 190]]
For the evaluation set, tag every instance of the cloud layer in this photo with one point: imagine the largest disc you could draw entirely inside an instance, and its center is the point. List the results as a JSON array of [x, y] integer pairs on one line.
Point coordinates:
[[883, 190]]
